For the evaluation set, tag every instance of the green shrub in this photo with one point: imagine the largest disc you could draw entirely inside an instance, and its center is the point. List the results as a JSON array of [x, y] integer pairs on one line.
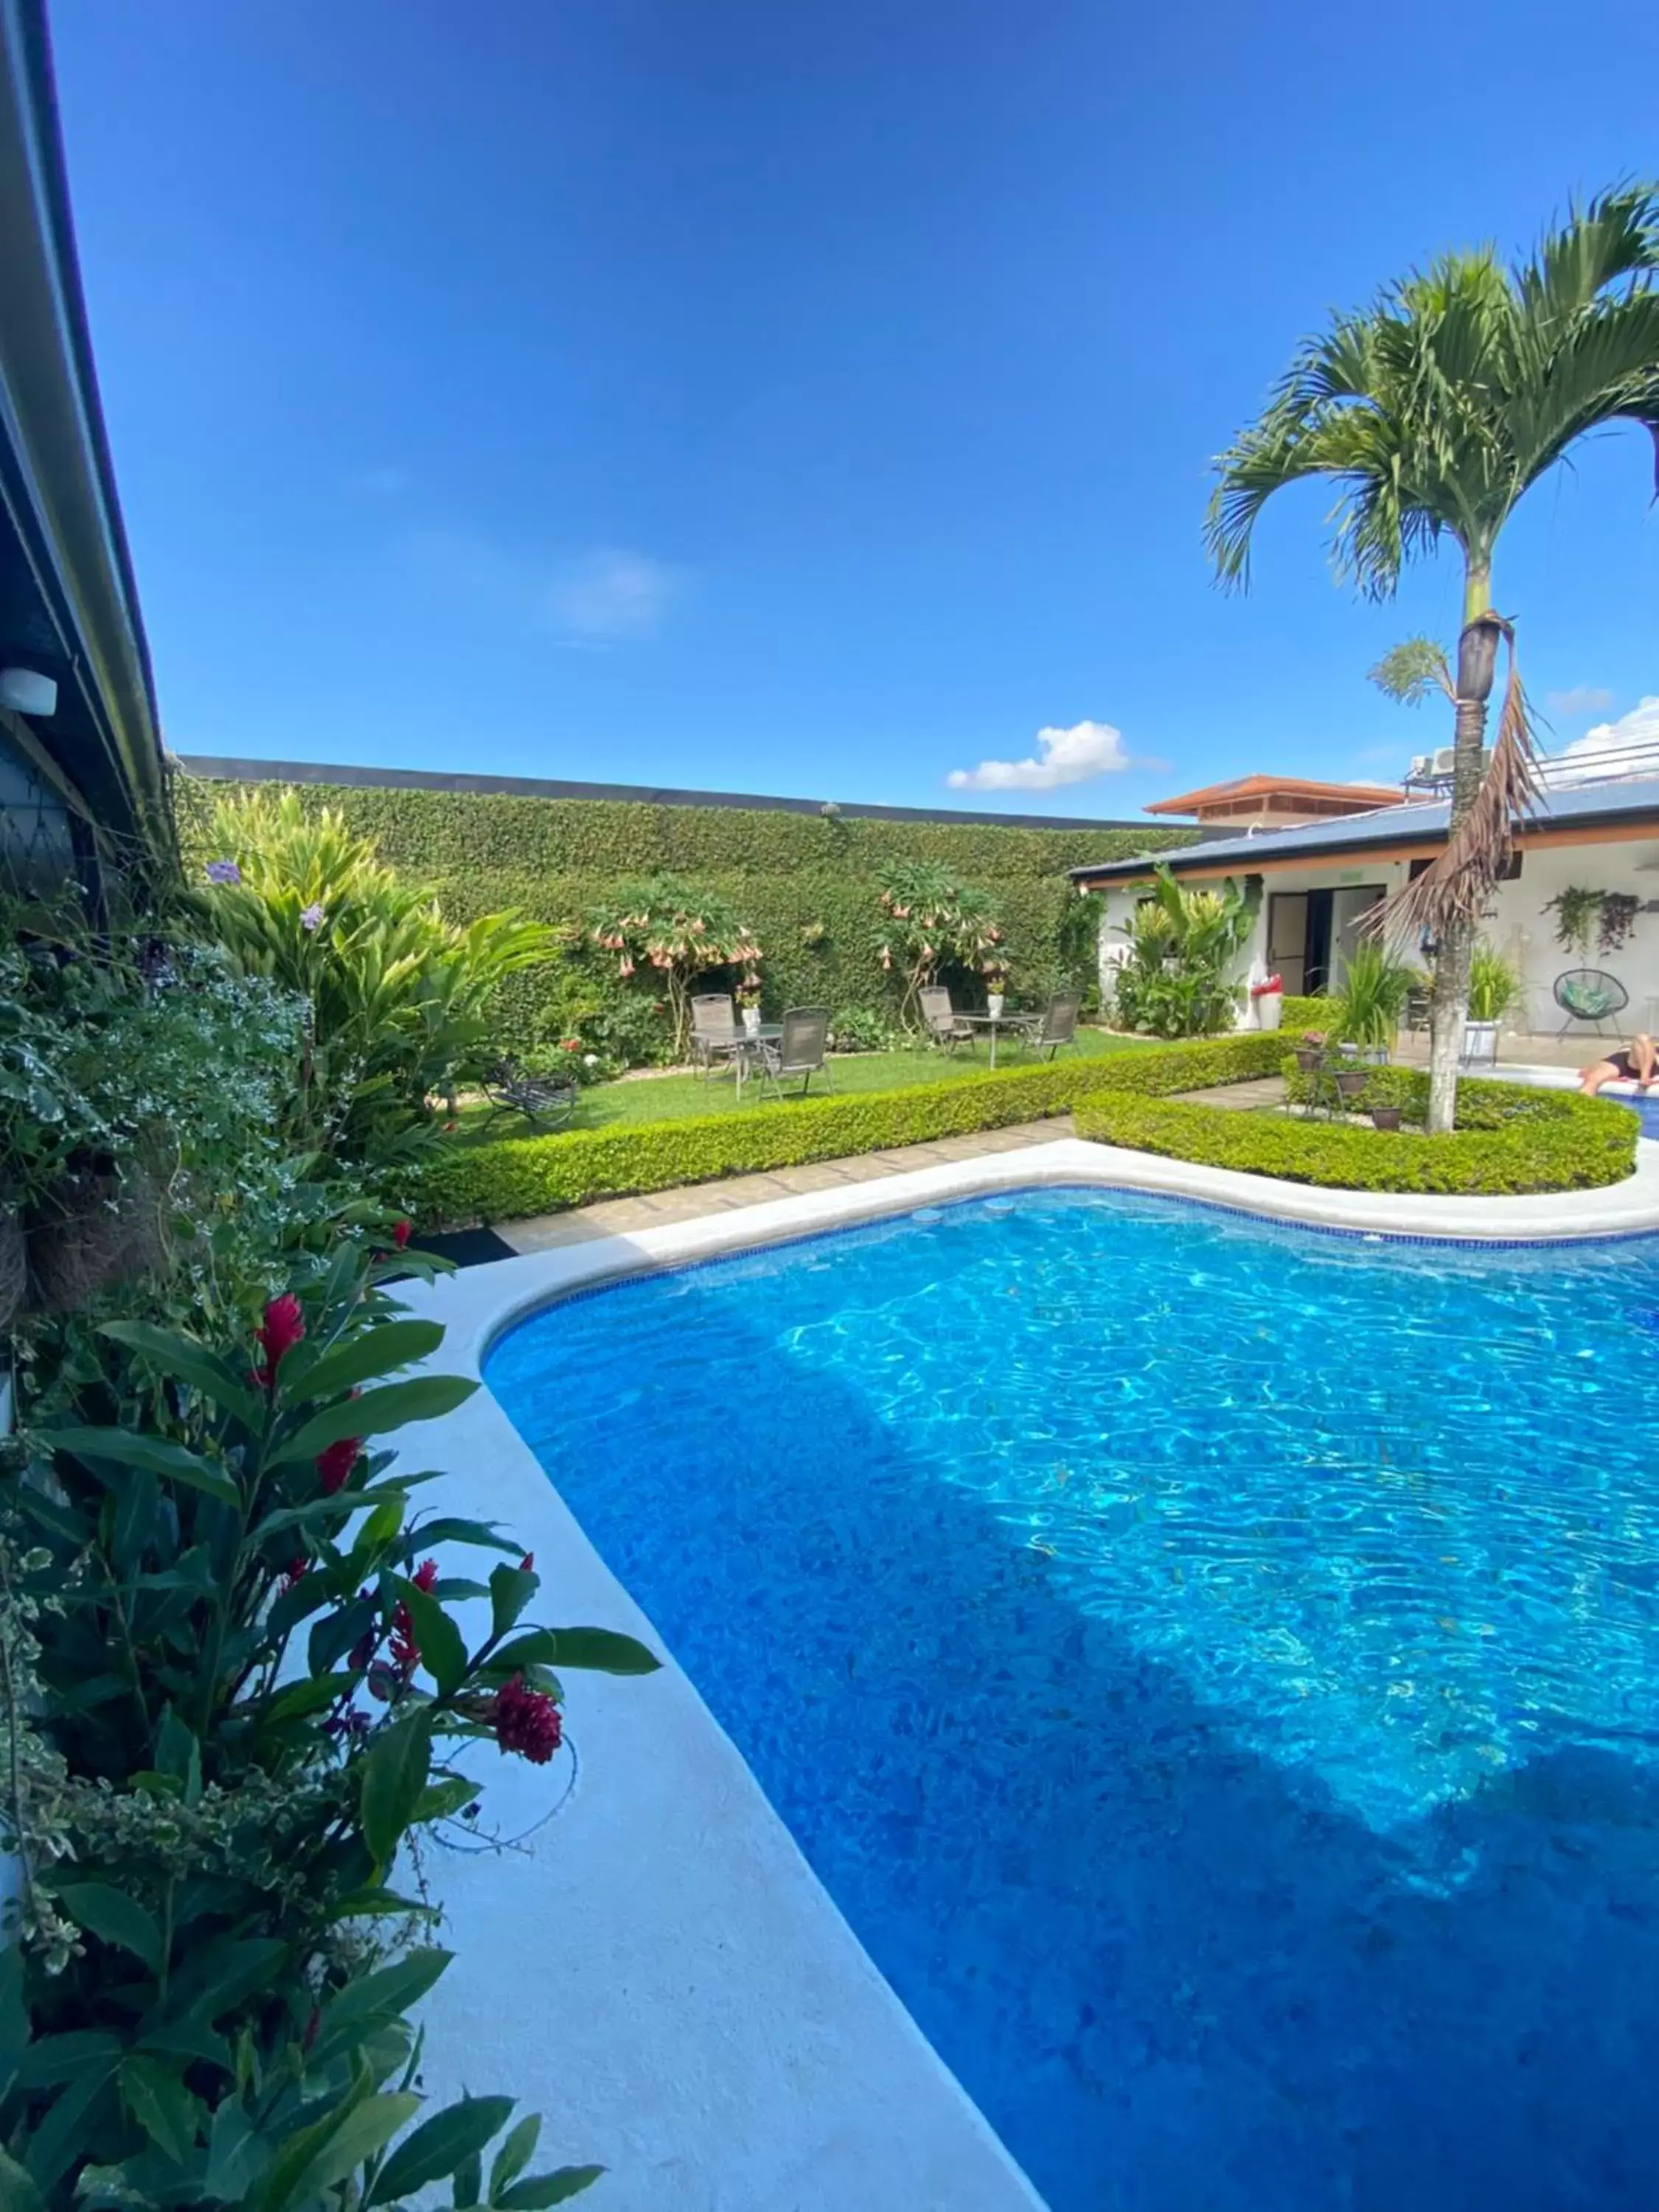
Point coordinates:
[[1508, 1139], [1182, 943], [807, 885], [524, 1176]]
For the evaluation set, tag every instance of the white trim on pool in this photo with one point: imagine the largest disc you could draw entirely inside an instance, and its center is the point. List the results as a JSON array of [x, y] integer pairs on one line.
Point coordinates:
[[658, 1970]]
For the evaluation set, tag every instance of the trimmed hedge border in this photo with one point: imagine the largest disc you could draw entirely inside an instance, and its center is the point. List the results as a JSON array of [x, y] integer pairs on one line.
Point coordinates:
[[511, 1179], [1509, 1139]]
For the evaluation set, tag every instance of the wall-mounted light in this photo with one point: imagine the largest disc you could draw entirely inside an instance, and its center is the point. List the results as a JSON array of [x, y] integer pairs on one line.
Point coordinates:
[[26, 691]]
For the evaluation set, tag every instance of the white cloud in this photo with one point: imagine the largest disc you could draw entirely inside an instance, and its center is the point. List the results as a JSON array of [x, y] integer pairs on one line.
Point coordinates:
[[600, 598], [1079, 755], [608, 596], [1582, 699], [1620, 747]]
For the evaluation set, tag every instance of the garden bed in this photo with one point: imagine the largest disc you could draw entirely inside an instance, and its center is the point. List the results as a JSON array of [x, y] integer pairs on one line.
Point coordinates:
[[516, 1177], [1508, 1139]]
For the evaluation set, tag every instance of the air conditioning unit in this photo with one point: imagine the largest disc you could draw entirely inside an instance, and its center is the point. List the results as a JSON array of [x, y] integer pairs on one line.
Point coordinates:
[[1421, 765], [1445, 760]]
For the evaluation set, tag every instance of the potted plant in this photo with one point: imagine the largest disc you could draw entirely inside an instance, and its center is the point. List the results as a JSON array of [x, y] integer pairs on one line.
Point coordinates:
[[749, 1001], [1311, 1053], [1372, 1003], [1494, 989], [996, 986], [1351, 1081], [1386, 1117]]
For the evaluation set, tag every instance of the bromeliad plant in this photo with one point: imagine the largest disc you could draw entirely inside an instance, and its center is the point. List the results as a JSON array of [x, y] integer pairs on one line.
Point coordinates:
[[233, 1677]]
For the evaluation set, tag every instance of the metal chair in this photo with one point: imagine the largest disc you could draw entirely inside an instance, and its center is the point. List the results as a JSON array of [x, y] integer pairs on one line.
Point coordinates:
[[546, 1101], [1058, 1025], [714, 1029], [944, 1025], [801, 1050], [1590, 994]]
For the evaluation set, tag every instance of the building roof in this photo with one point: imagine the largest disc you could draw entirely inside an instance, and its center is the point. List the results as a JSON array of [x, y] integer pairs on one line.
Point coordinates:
[[1586, 806], [68, 608], [223, 770], [1276, 787]]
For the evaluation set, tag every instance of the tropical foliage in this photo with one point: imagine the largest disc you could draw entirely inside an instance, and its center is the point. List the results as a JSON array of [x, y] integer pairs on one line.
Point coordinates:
[[400, 1000], [1182, 946], [1371, 1004], [1495, 985], [234, 1683], [934, 921], [666, 933], [1434, 411]]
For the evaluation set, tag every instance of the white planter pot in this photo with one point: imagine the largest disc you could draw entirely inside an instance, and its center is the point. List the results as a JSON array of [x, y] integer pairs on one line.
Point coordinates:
[[1480, 1044], [1269, 1010], [752, 1020], [993, 1003]]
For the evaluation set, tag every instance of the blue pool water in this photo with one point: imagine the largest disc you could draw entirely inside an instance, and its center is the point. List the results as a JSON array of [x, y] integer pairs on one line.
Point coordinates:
[[1646, 1111], [1212, 1665]]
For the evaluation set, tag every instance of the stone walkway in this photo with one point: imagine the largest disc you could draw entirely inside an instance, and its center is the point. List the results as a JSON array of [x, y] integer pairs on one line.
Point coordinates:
[[620, 1217]]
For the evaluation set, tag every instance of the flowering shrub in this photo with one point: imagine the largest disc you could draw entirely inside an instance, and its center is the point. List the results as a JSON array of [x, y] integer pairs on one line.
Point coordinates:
[[232, 1672], [671, 932], [934, 921]]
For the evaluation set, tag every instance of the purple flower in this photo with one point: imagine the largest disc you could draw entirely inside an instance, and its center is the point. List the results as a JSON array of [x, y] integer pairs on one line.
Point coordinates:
[[224, 871], [312, 917]]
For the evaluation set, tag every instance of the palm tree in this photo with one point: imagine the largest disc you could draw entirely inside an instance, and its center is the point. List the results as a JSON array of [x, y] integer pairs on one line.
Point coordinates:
[[1435, 408]]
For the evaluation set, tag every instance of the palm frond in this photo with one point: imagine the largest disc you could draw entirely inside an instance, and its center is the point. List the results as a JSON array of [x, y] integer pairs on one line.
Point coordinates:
[[1616, 235], [1459, 884], [1408, 671]]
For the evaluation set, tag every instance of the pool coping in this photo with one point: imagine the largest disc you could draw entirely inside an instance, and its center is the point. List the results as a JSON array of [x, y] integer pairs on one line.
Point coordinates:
[[737, 2048]]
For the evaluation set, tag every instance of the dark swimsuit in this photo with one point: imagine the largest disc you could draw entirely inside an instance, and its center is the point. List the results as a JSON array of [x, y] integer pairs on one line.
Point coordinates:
[[1621, 1062]]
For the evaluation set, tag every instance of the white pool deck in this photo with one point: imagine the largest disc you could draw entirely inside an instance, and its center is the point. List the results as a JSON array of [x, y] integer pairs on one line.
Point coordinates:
[[657, 1969]]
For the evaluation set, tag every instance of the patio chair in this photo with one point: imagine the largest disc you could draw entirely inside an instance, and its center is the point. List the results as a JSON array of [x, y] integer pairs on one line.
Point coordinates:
[[546, 1101], [1058, 1024], [801, 1050], [714, 1029], [944, 1025], [1590, 994]]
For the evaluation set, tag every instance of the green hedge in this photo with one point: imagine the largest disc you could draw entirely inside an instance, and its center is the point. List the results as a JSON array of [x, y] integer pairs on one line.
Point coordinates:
[[1509, 1139], [556, 857], [518, 1176]]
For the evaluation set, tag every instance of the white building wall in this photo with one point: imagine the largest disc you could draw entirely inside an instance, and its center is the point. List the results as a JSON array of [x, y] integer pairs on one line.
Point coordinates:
[[1516, 923]]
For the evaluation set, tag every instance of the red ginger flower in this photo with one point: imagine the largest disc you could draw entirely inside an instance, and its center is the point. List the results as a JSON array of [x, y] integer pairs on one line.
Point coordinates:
[[405, 1651], [528, 1721], [335, 1462], [401, 1232], [284, 1326]]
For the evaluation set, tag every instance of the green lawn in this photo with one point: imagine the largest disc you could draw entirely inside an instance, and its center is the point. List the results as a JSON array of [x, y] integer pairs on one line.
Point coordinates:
[[670, 1098]]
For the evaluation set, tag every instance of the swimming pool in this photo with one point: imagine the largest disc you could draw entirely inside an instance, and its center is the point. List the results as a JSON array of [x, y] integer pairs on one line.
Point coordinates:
[[1210, 1664]]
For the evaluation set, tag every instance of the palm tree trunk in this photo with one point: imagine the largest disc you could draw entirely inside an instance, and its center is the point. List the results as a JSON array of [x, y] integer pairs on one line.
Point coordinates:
[[1477, 654]]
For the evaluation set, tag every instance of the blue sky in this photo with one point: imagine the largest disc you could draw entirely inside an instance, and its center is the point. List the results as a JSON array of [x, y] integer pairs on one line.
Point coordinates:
[[812, 399]]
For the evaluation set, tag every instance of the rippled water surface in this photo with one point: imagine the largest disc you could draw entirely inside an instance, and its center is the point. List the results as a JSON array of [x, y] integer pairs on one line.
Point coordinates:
[[1212, 1665]]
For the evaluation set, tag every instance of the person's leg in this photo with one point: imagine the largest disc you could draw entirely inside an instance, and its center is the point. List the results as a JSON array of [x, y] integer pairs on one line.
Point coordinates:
[[1590, 1079], [1643, 1059]]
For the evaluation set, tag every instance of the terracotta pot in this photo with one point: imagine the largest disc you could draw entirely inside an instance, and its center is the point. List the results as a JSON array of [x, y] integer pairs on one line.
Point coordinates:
[[1351, 1082], [14, 1269], [93, 1231], [1310, 1062], [1385, 1117]]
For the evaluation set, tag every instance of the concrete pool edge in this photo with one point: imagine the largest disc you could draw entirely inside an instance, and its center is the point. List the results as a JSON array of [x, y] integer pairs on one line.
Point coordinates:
[[735, 2046]]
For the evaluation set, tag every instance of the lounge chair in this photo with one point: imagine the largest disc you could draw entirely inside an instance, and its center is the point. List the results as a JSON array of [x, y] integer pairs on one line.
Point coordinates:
[[801, 1050], [1058, 1025], [714, 1029], [1590, 994], [547, 1102], [944, 1025]]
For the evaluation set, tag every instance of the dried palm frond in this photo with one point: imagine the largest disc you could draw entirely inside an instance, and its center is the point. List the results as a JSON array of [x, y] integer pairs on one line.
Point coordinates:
[[1463, 877]]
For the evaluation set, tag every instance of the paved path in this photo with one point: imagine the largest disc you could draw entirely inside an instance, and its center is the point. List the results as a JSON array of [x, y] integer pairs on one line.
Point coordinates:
[[1242, 1097], [623, 1217]]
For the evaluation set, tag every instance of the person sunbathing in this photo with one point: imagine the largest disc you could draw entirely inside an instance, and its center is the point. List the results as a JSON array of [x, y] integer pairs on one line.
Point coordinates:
[[1639, 1064]]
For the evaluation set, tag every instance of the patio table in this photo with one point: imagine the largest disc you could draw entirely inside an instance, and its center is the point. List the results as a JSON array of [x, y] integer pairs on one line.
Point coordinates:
[[992, 1023], [746, 1049]]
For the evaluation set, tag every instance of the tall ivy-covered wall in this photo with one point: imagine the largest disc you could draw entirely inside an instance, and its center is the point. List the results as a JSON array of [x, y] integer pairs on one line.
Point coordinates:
[[807, 885]]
